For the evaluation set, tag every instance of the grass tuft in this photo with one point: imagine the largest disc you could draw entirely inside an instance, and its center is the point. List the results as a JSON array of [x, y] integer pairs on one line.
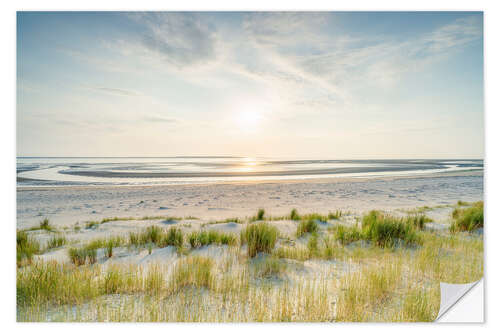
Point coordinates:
[[201, 238], [335, 215], [468, 219], [55, 242], [418, 220], [83, 255], [52, 283], [346, 235], [260, 237], [387, 231], [260, 214], [306, 226], [157, 236], [294, 215], [91, 224], [192, 271], [45, 225], [173, 237], [382, 230], [26, 247]]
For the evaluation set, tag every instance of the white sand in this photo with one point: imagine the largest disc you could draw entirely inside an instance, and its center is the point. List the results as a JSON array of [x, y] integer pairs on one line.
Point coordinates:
[[65, 206]]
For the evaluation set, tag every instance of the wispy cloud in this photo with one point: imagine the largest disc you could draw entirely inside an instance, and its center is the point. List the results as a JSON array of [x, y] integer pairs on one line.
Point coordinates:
[[117, 91], [182, 39], [285, 29], [197, 74], [348, 64]]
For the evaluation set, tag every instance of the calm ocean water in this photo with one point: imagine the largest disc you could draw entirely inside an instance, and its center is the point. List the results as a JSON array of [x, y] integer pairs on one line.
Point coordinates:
[[45, 171]]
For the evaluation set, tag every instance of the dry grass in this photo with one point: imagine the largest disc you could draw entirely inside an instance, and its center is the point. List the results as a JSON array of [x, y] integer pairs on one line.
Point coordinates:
[[363, 282]]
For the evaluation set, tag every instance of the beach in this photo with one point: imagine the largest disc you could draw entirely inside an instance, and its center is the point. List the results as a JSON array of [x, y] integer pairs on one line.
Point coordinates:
[[67, 205], [145, 247]]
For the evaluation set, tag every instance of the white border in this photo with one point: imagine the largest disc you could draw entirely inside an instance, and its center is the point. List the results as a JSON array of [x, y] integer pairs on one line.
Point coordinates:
[[8, 125]]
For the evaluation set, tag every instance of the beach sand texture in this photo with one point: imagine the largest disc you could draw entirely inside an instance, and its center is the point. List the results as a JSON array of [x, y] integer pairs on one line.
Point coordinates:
[[303, 279]]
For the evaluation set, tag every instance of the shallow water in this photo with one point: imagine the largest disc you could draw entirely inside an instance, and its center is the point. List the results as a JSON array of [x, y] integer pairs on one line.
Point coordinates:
[[38, 171]]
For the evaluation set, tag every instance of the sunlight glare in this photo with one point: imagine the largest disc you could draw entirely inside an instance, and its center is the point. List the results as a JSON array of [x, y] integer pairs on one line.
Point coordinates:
[[249, 119]]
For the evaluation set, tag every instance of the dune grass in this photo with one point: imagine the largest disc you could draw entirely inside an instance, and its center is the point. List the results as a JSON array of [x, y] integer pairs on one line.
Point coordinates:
[[314, 217], [157, 236], [387, 231], [87, 254], [55, 242], [267, 267], [259, 237], [43, 225], [173, 237], [116, 218], [202, 238], [312, 244], [299, 253], [347, 235], [382, 230], [112, 243], [335, 215], [384, 285], [26, 247], [91, 224], [305, 226], [192, 271], [260, 216], [52, 283], [228, 220], [294, 215], [418, 306], [364, 291], [376, 280], [82, 256], [468, 219], [418, 220]]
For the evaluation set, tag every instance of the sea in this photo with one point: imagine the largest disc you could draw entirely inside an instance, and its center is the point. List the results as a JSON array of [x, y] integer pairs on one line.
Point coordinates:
[[129, 171]]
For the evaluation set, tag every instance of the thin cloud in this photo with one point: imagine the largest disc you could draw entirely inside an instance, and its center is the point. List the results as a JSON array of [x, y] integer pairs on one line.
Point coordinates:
[[350, 63], [182, 39], [116, 91]]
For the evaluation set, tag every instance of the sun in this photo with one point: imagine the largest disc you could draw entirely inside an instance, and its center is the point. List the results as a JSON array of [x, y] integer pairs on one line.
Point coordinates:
[[248, 119]]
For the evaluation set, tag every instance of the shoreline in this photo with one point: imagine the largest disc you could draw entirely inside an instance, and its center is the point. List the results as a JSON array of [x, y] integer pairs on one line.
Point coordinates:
[[327, 171], [453, 173]]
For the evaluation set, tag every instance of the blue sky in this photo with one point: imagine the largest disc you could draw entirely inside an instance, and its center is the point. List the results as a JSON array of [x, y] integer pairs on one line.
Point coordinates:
[[306, 85]]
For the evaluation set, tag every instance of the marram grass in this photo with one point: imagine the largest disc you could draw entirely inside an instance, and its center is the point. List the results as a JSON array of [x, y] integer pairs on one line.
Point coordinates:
[[259, 237], [370, 273], [468, 219]]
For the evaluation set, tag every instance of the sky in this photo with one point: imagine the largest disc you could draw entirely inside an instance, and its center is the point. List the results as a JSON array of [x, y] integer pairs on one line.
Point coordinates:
[[336, 85]]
